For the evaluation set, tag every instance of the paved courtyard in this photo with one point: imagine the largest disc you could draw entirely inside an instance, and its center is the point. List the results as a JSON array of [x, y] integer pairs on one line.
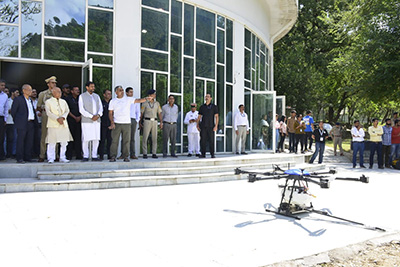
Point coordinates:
[[214, 224]]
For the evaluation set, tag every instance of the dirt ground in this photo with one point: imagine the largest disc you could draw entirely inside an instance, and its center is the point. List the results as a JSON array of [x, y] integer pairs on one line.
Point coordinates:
[[386, 255]]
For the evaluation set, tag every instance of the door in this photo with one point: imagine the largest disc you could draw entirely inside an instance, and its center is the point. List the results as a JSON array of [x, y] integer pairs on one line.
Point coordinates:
[[280, 105], [87, 73], [263, 121]]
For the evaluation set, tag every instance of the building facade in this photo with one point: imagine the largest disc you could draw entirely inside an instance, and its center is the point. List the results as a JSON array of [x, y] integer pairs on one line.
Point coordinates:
[[183, 48]]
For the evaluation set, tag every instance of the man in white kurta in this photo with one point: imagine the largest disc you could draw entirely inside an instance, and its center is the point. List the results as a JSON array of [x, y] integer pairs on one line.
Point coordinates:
[[91, 109], [192, 131], [57, 111]]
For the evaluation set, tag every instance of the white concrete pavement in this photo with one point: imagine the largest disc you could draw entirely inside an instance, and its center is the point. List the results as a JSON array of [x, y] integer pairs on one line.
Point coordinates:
[[216, 224]]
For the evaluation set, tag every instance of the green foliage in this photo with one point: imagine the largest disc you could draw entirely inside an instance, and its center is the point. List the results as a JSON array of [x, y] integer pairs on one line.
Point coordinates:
[[340, 58]]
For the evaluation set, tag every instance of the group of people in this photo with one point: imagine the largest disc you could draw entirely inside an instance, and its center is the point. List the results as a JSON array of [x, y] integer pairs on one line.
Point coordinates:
[[61, 123], [384, 141]]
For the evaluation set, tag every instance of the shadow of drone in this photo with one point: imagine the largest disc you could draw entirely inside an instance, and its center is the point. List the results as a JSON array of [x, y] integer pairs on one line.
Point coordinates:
[[316, 233]]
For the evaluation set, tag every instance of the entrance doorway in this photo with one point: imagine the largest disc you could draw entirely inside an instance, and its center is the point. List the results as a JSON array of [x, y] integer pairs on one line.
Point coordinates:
[[17, 73]]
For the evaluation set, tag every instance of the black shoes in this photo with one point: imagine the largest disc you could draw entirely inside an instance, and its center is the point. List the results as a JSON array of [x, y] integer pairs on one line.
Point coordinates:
[[96, 159], [243, 153], [189, 155], [126, 160], [85, 159], [154, 156], [112, 159], [144, 156]]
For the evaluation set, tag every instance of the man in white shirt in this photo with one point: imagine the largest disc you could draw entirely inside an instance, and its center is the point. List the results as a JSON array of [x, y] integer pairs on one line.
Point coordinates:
[[135, 117], [192, 131], [120, 122], [242, 129], [358, 134], [91, 109]]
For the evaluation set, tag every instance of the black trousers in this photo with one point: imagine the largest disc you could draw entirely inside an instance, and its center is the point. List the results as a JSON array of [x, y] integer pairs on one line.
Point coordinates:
[[308, 140], [25, 142], [281, 141], [10, 133], [75, 146], [292, 141], [386, 155], [105, 137], [207, 137], [300, 138], [2, 133]]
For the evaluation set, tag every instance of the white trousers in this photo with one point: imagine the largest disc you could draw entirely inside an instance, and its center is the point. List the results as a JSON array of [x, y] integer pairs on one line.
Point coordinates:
[[85, 148], [194, 143], [51, 151]]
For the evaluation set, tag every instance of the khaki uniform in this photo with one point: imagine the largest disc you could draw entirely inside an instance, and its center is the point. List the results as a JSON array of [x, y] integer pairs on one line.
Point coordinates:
[[43, 97], [150, 112], [337, 135]]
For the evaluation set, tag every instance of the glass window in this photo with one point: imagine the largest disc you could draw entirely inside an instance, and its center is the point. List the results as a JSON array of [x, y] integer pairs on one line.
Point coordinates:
[[221, 21], [9, 10], [267, 77], [176, 16], [205, 25], [65, 20], [146, 83], [220, 46], [102, 3], [101, 59], [229, 110], [9, 41], [178, 102], [253, 80], [161, 4], [205, 60], [189, 30], [228, 137], [229, 33], [154, 29], [102, 78], [154, 61], [220, 143], [221, 95], [262, 125], [187, 84], [31, 29], [247, 84], [100, 31], [247, 38], [64, 50], [176, 64], [199, 92], [229, 66], [247, 64], [211, 89], [257, 73], [262, 68], [247, 108], [162, 88]]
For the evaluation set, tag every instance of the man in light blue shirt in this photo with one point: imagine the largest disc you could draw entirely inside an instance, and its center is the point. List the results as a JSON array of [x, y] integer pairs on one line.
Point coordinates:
[[308, 119], [3, 117], [170, 117]]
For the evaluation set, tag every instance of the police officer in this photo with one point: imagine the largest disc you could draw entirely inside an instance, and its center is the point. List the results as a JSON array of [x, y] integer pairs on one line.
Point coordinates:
[[149, 111]]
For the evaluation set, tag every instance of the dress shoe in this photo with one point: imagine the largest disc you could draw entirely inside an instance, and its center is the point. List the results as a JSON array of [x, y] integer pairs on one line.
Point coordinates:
[[174, 156], [380, 167], [144, 156], [197, 155], [134, 157], [363, 167], [243, 153], [189, 155], [213, 156], [164, 156], [202, 157], [64, 160], [51, 161], [154, 156], [85, 159], [126, 160], [96, 159], [112, 159], [341, 154], [20, 161], [370, 167], [237, 153], [41, 160], [57, 160], [29, 160]]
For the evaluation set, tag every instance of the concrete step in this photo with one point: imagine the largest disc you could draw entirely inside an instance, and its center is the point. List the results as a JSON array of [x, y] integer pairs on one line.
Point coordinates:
[[14, 185], [88, 174], [30, 170]]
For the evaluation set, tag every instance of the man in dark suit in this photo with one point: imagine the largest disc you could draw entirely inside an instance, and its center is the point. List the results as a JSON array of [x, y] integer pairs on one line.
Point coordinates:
[[25, 121]]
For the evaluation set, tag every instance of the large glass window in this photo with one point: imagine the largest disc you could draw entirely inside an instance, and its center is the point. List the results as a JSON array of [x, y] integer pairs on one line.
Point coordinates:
[[262, 124], [9, 41], [9, 11], [65, 20], [64, 50], [195, 57], [155, 29], [31, 29], [100, 31]]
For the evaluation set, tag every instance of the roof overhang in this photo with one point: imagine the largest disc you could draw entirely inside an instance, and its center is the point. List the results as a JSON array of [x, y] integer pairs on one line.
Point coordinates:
[[283, 15]]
